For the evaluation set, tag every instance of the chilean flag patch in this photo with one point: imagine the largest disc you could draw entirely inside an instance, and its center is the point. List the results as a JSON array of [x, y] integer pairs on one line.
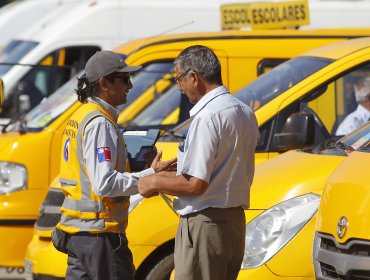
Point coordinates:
[[104, 154]]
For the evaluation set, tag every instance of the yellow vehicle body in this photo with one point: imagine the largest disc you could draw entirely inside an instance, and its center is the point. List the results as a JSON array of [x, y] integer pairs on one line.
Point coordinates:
[[152, 224], [342, 229], [39, 153]]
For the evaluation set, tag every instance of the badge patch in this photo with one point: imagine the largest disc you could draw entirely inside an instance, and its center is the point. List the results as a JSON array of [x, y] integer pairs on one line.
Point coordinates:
[[104, 154], [66, 149]]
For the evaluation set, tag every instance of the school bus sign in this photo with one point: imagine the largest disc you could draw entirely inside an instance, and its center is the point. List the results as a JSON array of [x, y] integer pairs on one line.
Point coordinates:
[[270, 15]]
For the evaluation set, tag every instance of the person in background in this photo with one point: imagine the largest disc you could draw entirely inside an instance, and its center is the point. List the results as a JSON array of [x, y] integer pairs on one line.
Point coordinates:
[[94, 175], [362, 114], [215, 170]]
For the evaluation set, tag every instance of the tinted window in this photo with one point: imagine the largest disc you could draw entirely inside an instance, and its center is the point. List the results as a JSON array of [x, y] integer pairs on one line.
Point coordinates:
[[58, 102], [279, 79], [156, 113], [145, 79], [338, 100], [47, 111], [13, 53]]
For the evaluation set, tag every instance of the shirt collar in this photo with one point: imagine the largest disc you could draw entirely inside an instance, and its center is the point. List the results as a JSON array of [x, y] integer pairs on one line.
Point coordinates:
[[207, 98], [363, 112], [113, 111]]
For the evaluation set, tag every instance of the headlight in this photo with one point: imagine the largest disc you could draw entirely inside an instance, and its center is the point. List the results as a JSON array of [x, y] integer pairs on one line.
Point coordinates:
[[13, 177], [271, 230]]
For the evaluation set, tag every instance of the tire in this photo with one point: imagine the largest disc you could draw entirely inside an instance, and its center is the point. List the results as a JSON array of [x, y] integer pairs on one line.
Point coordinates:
[[162, 270]]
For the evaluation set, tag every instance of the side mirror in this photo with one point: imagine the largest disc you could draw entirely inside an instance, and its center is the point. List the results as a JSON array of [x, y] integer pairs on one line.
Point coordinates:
[[2, 97], [24, 104], [298, 132]]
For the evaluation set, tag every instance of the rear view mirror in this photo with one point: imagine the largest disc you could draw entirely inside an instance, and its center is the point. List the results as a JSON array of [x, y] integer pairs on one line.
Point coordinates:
[[298, 132]]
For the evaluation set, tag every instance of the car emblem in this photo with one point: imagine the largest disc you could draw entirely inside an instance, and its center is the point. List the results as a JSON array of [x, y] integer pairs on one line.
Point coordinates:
[[342, 227]]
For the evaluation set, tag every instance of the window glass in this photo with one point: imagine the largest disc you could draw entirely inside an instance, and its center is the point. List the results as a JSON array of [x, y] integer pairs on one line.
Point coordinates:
[[279, 79], [58, 102], [51, 108], [146, 78], [337, 106], [160, 109], [13, 53], [180, 131]]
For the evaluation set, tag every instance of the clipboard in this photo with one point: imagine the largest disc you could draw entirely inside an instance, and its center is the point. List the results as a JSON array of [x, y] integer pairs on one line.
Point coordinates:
[[137, 144]]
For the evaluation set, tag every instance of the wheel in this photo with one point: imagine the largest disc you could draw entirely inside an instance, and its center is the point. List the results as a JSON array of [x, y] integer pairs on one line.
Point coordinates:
[[163, 269]]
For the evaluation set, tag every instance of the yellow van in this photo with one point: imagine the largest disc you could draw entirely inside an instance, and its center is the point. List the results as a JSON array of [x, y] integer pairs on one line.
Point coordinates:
[[286, 190], [342, 232], [307, 91]]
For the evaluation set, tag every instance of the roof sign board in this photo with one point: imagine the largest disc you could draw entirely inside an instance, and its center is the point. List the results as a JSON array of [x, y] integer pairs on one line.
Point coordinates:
[[263, 15]]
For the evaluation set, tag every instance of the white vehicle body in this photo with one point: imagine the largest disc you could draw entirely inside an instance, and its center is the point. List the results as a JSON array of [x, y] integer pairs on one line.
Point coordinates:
[[327, 14], [102, 25], [16, 16]]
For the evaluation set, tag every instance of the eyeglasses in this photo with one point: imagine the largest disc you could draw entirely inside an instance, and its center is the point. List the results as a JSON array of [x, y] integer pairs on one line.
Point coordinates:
[[124, 79], [179, 78]]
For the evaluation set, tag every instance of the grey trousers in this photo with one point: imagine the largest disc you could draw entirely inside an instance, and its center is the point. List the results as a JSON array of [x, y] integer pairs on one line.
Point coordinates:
[[210, 244], [99, 256]]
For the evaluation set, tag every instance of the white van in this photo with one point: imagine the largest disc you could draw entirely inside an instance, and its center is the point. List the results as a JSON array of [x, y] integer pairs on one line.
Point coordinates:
[[48, 53], [58, 45], [17, 15], [339, 13]]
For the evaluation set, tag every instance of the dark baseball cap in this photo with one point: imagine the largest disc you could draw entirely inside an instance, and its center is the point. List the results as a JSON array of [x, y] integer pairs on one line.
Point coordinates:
[[104, 63]]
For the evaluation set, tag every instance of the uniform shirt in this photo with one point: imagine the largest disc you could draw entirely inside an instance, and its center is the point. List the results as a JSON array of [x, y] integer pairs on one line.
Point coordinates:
[[219, 149], [101, 137], [353, 121]]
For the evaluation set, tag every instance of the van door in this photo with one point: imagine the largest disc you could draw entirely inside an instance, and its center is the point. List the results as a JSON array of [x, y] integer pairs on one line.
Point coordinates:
[[329, 102]]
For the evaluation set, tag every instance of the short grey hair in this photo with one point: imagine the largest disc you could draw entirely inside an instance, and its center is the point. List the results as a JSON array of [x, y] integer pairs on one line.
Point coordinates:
[[202, 60]]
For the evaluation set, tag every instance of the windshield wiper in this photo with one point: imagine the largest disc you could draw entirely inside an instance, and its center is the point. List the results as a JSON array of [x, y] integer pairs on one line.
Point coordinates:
[[21, 126], [344, 146], [170, 133]]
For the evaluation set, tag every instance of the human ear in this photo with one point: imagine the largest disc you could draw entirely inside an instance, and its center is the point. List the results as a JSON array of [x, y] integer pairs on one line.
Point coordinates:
[[103, 84]]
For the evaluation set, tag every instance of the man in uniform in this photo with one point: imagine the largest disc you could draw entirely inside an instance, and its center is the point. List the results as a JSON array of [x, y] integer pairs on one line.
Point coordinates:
[[94, 175]]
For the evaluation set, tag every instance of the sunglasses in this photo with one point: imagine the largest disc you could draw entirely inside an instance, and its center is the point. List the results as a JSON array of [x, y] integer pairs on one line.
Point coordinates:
[[124, 79]]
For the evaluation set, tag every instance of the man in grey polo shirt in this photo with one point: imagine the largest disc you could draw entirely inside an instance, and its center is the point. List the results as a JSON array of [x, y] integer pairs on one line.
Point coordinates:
[[214, 172]]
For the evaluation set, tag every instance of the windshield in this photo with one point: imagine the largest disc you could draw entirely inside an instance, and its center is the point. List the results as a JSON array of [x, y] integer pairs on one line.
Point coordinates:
[[160, 109], [13, 53], [179, 132], [62, 99], [145, 79], [279, 79], [359, 139], [48, 110]]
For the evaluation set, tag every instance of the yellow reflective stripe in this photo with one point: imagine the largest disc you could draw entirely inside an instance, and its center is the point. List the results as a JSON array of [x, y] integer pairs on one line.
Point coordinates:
[[68, 228], [109, 227], [86, 215]]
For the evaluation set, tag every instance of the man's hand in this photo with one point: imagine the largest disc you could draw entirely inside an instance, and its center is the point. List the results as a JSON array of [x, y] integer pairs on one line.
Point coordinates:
[[158, 165], [144, 187], [150, 156]]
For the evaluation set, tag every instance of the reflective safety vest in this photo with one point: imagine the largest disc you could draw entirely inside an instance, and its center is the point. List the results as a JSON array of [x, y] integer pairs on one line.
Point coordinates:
[[82, 209]]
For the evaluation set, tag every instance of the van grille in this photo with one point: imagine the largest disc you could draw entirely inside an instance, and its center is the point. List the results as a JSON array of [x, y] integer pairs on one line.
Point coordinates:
[[330, 273], [49, 215], [355, 249], [332, 260]]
